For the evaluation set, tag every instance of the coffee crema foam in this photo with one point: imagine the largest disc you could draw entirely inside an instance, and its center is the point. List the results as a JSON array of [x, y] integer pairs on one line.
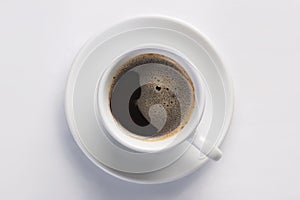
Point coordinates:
[[151, 96]]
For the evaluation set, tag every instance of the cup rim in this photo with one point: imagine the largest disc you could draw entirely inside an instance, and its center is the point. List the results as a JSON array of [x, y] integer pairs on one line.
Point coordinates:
[[112, 128]]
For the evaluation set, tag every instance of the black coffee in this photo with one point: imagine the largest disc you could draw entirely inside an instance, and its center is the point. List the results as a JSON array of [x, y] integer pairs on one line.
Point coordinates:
[[151, 96]]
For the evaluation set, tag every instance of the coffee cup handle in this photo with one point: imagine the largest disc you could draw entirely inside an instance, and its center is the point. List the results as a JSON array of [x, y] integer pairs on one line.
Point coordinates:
[[214, 153]]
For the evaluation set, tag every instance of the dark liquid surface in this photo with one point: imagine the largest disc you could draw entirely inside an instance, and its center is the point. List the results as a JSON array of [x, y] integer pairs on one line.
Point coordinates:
[[151, 96]]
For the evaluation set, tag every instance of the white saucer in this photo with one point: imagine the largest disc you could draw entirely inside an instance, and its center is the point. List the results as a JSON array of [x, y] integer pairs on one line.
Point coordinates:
[[89, 64]]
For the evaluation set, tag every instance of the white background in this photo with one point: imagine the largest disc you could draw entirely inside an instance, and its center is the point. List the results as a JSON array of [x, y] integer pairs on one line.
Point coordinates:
[[260, 43]]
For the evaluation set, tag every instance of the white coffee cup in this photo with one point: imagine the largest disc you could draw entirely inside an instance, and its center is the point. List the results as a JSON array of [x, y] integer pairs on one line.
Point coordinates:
[[112, 128]]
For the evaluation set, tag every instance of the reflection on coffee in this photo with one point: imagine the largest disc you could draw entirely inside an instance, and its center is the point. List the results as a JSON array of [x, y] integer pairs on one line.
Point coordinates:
[[151, 96]]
